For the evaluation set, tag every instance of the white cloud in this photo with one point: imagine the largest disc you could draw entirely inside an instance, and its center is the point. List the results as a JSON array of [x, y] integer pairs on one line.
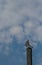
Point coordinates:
[[38, 32], [29, 26], [5, 37], [13, 15], [18, 32]]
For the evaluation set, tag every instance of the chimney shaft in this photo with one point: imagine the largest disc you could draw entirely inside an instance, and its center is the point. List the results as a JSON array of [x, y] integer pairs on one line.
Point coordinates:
[[29, 53]]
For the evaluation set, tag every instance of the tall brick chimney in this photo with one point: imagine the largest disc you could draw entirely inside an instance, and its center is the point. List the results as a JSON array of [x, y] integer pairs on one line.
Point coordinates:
[[28, 52]]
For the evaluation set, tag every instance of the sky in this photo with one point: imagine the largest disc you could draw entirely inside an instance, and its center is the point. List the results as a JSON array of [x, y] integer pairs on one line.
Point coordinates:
[[20, 20]]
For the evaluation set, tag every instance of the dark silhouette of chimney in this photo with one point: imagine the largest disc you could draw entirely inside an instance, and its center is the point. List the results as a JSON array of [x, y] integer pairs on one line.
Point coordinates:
[[29, 52]]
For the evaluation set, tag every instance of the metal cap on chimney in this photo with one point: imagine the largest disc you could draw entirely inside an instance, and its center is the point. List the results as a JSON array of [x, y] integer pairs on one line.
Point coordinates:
[[28, 44]]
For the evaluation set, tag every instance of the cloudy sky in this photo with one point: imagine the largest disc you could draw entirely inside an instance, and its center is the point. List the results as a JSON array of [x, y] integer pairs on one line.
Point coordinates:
[[20, 20]]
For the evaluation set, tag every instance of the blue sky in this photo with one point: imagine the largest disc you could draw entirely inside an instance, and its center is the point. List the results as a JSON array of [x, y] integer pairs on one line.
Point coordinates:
[[20, 20]]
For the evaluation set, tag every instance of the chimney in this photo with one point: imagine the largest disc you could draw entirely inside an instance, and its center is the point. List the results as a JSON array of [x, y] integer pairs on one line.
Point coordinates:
[[29, 52]]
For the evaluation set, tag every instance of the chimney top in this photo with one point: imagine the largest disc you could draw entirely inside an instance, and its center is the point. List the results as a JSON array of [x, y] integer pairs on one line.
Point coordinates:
[[28, 44]]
